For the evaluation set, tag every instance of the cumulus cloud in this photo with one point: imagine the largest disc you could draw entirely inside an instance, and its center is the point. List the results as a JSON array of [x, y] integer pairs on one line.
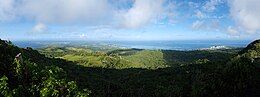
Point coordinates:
[[246, 13], [142, 13], [57, 11], [90, 12], [7, 10], [66, 11], [40, 28]]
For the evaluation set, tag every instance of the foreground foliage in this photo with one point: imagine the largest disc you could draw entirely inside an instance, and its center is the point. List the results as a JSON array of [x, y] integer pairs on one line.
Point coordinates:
[[21, 77]]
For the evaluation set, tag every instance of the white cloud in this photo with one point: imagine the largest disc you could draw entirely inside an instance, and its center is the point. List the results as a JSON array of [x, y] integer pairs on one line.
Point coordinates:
[[232, 31], [83, 35], [206, 25], [210, 5], [87, 12], [7, 10], [143, 12], [199, 14], [40, 28], [57, 11], [193, 5], [246, 13], [197, 25], [66, 11]]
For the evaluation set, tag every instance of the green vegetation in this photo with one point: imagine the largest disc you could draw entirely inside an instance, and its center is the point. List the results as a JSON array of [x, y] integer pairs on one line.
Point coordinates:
[[135, 58], [25, 73], [83, 71]]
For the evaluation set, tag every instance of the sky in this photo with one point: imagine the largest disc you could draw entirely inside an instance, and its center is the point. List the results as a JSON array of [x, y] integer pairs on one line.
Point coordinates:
[[129, 19]]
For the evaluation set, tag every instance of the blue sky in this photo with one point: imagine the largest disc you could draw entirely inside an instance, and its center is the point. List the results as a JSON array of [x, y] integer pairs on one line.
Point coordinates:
[[129, 19]]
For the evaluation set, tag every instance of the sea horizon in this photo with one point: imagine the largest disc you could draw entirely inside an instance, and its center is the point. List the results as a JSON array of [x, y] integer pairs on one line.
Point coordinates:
[[138, 44]]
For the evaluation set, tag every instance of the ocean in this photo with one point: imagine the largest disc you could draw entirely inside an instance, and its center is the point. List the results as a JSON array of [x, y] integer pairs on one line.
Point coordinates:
[[164, 45]]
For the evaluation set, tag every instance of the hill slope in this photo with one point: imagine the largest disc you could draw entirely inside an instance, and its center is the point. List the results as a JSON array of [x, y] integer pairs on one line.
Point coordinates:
[[25, 72]]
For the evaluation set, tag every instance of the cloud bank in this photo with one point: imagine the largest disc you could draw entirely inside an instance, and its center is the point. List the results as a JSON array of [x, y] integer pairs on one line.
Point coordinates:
[[246, 14], [65, 11], [7, 10], [135, 14], [143, 12], [232, 31], [84, 12]]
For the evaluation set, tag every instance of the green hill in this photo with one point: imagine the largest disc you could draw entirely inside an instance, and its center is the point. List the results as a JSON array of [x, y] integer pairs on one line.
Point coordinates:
[[78, 71], [253, 46], [252, 51]]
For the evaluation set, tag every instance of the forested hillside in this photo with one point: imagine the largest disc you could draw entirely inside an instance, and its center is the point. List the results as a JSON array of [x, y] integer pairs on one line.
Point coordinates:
[[27, 73], [77, 71]]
